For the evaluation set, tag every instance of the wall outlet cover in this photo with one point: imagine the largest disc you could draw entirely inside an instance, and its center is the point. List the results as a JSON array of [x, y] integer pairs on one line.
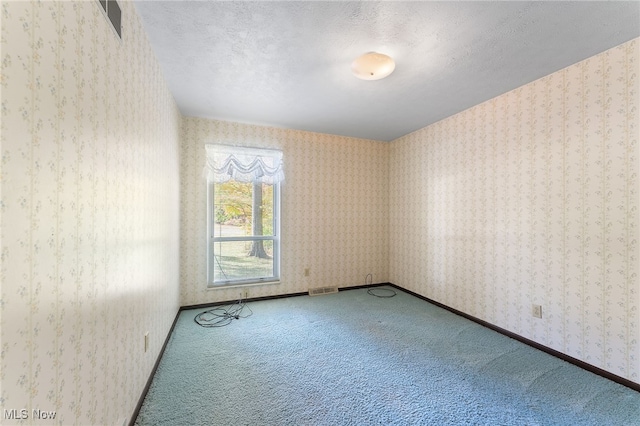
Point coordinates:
[[536, 311]]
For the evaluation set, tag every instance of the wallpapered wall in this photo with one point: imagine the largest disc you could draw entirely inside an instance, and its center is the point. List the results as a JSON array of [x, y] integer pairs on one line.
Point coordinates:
[[532, 197], [334, 208], [90, 223]]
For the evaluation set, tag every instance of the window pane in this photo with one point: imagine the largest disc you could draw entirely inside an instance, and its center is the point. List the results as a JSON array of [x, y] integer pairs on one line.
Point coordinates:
[[266, 210], [234, 209], [242, 260]]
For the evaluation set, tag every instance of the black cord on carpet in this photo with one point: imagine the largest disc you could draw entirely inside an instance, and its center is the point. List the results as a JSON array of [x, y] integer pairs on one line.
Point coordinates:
[[381, 292], [222, 315]]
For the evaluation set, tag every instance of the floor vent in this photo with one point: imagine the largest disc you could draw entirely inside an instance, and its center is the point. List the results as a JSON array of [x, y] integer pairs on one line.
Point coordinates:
[[322, 290]]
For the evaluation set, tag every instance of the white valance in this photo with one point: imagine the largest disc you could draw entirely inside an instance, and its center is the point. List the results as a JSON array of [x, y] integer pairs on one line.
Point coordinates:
[[242, 164]]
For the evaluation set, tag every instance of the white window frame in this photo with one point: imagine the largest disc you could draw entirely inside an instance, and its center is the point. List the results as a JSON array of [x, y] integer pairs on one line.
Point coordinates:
[[212, 239]]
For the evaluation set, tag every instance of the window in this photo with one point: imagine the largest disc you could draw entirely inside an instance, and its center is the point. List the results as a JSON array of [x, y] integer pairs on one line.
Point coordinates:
[[243, 206]]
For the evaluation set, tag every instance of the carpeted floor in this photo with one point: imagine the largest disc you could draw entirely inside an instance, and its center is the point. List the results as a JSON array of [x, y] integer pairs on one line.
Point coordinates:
[[354, 359]]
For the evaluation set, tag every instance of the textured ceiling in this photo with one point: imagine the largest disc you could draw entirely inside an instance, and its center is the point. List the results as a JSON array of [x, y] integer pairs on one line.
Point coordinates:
[[287, 64]]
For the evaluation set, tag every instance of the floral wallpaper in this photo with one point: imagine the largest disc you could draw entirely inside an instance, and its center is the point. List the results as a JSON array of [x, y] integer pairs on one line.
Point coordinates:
[[334, 217], [532, 198], [90, 223]]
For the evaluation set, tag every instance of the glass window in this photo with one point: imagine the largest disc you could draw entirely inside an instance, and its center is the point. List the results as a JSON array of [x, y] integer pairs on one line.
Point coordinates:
[[243, 209], [244, 243]]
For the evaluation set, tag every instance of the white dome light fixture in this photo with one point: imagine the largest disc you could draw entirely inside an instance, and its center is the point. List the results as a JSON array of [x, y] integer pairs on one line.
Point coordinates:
[[373, 66]]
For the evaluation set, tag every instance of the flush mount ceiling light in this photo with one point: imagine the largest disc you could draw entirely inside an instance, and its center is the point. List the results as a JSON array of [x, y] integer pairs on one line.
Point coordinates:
[[373, 66]]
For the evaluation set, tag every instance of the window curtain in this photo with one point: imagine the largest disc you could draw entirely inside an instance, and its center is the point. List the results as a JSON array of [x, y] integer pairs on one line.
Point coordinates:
[[243, 164]]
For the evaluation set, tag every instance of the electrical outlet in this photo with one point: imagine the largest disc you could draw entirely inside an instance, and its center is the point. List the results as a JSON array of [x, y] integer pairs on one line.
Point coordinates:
[[146, 341], [536, 311], [306, 272]]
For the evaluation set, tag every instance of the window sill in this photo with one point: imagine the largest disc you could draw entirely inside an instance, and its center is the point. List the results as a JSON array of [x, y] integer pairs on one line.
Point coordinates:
[[245, 284]]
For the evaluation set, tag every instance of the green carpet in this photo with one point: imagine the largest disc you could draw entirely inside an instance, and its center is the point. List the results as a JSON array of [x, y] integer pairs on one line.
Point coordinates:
[[354, 359]]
